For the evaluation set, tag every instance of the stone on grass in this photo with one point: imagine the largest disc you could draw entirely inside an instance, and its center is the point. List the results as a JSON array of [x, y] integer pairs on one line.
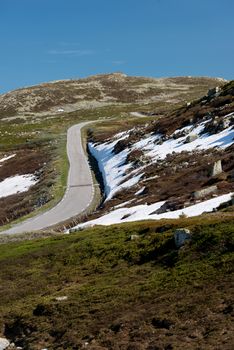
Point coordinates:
[[181, 235], [204, 192], [4, 343], [134, 237], [216, 168], [61, 298]]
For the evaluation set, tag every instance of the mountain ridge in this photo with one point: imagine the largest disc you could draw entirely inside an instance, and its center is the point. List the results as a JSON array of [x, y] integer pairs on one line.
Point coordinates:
[[101, 90]]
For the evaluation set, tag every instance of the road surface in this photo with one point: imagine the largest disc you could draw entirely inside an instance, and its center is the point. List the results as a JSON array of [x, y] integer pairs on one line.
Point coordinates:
[[79, 192]]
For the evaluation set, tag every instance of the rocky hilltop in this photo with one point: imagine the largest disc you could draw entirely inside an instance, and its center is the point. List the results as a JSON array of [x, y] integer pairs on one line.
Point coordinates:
[[102, 90]]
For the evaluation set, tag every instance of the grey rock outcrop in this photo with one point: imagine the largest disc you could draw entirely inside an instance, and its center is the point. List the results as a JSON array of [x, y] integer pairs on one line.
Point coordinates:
[[216, 168], [232, 199], [214, 92], [4, 343], [181, 235], [191, 138], [204, 192]]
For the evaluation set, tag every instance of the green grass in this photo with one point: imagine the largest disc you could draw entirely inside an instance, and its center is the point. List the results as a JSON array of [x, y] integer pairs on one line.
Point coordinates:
[[110, 279]]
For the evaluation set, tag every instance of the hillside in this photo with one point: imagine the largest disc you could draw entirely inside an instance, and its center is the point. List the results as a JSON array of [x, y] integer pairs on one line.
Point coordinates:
[[181, 163], [122, 287], [100, 91], [34, 122], [149, 266]]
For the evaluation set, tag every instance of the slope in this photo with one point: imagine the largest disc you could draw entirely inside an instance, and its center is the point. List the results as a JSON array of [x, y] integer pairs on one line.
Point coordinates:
[[34, 123], [180, 163]]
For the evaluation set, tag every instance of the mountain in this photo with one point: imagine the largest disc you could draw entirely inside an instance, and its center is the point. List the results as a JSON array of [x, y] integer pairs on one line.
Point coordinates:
[[101, 90], [34, 121], [181, 163], [149, 265]]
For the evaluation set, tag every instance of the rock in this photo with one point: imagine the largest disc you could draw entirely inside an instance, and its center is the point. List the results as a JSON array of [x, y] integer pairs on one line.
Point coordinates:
[[204, 192], [134, 237], [214, 92], [216, 168], [61, 298], [115, 327], [232, 199], [191, 138], [4, 343], [42, 310], [161, 323], [181, 235]]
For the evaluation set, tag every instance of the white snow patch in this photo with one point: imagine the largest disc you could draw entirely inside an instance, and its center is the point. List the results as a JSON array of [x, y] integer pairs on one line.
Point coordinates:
[[16, 184], [138, 114], [113, 167], [7, 158], [206, 141], [140, 191], [150, 178], [122, 135], [131, 182], [148, 141], [142, 212], [121, 205], [118, 175]]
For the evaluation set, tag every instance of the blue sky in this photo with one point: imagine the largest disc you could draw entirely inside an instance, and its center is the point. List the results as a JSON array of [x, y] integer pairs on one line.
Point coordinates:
[[43, 40]]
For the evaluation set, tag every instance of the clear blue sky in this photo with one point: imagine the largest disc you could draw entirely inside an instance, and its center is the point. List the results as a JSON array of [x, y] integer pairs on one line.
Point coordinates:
[[44, 40]]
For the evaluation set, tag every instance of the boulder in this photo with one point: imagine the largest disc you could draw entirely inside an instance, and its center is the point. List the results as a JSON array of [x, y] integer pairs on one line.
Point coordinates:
[[181, 235], [191, 138], [204, 192], [232, 199], [134, 237], [214, 92], [216, 168], [4, 343]]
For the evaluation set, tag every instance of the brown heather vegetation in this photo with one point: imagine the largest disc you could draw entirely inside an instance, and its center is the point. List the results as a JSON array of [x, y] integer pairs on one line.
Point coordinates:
[[178, 175], [26, 161], [122, 294], [109, 89], [34, 129]]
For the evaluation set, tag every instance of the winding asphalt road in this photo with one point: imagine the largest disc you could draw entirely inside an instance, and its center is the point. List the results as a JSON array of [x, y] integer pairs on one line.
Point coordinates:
[[79, 192]]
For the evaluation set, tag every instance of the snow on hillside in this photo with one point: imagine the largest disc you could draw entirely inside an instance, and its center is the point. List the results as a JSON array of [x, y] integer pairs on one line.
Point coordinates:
[[5, 158], [118, 174], [113, 166], [16, 184], [147, 212], [153, 147]]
